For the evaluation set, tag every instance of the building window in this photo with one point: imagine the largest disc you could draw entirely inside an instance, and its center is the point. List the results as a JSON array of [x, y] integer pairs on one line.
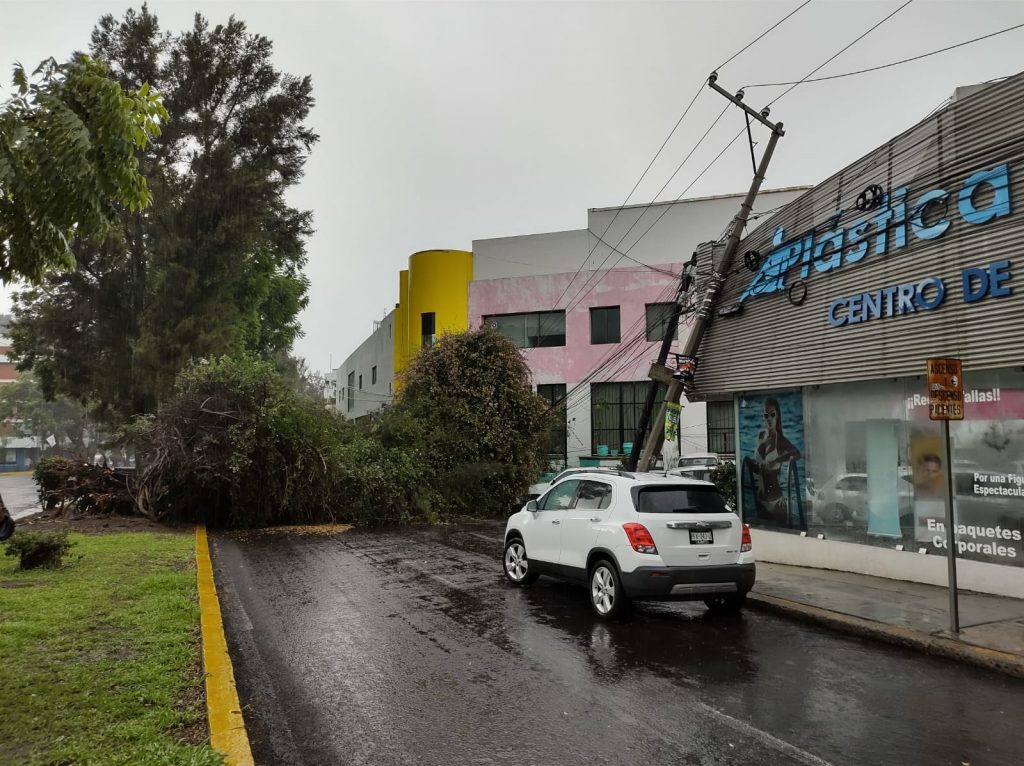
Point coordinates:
[[351, 394], [604, 325], [615, 410], [658, 317], [428, 328], [10, 456], [534, 330], [721, 433], [360, 382], [554, 395], [373, 375]]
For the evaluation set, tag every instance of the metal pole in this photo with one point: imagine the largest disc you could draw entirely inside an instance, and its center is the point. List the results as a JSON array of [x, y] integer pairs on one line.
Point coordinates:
[[652, 390], [954, 609], [731, 246], [716, 282]]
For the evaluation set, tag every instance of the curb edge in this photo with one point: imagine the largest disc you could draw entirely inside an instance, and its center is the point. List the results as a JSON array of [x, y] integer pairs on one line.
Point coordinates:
[[224, 712], [991, 659]]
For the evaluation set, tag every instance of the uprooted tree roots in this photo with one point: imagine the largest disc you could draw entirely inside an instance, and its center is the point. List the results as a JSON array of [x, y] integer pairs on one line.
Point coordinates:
[[76, 487]]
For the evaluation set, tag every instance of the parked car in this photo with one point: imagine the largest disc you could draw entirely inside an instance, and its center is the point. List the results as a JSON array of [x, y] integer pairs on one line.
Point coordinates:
[[698, 461], [633, 536], [844, 497], [538, 489], [700, 474]]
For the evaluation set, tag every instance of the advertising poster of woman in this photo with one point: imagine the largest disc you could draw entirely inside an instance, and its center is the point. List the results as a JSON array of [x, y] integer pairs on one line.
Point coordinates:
[[772, 449]]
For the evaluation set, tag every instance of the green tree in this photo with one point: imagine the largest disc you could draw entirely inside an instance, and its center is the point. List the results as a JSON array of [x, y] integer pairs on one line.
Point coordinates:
[[215, 266], [68, 139], [24, 407], [467, 404]]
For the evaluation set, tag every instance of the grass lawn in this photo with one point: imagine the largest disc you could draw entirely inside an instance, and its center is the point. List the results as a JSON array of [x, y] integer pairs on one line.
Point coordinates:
[[100, 660]]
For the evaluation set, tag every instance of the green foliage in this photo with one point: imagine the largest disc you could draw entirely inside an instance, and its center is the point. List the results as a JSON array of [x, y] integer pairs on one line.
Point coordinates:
[[23, 404], [101, 660], [234, 447], [39, 549], [67, 161], [215, 266], [468, 406], [50, 474], [237, 447], [724, 477]]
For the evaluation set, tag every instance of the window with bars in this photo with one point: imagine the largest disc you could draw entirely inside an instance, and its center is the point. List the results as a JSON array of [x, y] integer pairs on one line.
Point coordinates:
[[533, 330], [658, 317], [604, 325], [721, 431], [557, 435], [615, 410]]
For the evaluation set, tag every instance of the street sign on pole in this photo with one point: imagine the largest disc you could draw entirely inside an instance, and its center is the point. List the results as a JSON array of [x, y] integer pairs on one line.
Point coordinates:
[[946, 403]]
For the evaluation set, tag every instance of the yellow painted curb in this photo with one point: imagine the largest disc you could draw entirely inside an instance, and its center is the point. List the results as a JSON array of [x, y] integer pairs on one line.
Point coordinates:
[[16, 473], [227, 728]]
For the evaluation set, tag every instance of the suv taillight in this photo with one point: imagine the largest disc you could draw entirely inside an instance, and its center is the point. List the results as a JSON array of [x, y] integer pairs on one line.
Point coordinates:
[[640, 538], [746, 543]]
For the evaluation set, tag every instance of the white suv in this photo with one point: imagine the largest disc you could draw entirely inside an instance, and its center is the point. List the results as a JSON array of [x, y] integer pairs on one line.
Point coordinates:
[[633, 536]]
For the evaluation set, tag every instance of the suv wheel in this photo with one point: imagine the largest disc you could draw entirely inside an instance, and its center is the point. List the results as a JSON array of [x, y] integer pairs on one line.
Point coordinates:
[[606, 594], [731, 603], [517, 565]]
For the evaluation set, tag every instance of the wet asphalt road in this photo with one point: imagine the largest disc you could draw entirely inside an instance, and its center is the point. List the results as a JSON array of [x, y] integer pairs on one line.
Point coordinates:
[[20, 494], [409, 648]]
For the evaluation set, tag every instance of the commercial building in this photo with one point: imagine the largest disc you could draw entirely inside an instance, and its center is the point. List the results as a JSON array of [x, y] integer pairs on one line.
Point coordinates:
[[587, 317], [818, 350]]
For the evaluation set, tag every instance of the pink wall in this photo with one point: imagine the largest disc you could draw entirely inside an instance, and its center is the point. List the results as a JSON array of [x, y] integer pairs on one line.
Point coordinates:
[[629, 288]]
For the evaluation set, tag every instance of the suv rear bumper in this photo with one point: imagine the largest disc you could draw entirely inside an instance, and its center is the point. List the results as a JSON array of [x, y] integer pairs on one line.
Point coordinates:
[[688, 583]]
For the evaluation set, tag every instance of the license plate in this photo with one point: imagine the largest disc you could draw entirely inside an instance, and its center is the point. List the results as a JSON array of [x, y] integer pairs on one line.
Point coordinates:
[[700, 537]]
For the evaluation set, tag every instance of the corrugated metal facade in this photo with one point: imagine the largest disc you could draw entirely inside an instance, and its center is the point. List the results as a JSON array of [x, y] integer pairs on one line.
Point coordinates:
[[775, 344]]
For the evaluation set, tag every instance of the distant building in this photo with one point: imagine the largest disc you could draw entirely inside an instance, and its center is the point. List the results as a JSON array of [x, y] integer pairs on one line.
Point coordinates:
[[586, 316]]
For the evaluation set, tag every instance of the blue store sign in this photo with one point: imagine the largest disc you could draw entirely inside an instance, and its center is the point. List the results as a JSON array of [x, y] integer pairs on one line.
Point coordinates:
[[885, 229]]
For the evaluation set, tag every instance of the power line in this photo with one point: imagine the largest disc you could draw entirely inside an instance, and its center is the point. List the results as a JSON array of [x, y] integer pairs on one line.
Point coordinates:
[[643, 175], [840, 53], [664, 143], [634, 260], [756, 39], [777, 98], [890, 64], [667, 208], [570, 305]]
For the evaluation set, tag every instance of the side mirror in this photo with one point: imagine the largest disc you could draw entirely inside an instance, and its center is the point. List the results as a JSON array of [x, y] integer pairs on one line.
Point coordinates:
[[532, 506]]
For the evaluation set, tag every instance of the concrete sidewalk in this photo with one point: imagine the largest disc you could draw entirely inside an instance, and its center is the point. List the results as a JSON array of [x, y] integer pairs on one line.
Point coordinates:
[[905, 613]]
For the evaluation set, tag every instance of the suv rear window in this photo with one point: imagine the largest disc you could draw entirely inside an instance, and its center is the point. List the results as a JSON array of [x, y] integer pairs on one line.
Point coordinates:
[[678, 499]]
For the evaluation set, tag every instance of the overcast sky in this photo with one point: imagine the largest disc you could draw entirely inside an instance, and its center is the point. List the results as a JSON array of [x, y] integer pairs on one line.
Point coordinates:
[[442, 123]]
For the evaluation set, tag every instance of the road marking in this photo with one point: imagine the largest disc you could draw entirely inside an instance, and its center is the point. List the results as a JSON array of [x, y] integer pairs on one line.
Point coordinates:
[[488, 538], [227, 727], [768, 739]]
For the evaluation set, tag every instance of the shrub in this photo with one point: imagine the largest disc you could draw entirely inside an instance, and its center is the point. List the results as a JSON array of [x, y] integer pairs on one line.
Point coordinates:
[[467, 404], [83, 487], [234, 447], [39, 549], [724, 477]]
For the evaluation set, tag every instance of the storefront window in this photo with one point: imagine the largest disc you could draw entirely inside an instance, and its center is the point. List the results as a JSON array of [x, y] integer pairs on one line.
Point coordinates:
[[863, 463]]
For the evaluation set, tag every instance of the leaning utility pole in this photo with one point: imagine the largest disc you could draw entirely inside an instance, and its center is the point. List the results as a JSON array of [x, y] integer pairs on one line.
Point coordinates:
[[666, 343], [676, 387]]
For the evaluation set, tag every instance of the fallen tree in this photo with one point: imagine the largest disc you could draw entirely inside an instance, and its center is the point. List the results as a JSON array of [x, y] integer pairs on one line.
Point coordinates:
[[77, 487]]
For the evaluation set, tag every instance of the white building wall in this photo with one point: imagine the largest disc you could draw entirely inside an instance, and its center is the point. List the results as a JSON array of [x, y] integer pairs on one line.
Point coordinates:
[[376, 351]]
